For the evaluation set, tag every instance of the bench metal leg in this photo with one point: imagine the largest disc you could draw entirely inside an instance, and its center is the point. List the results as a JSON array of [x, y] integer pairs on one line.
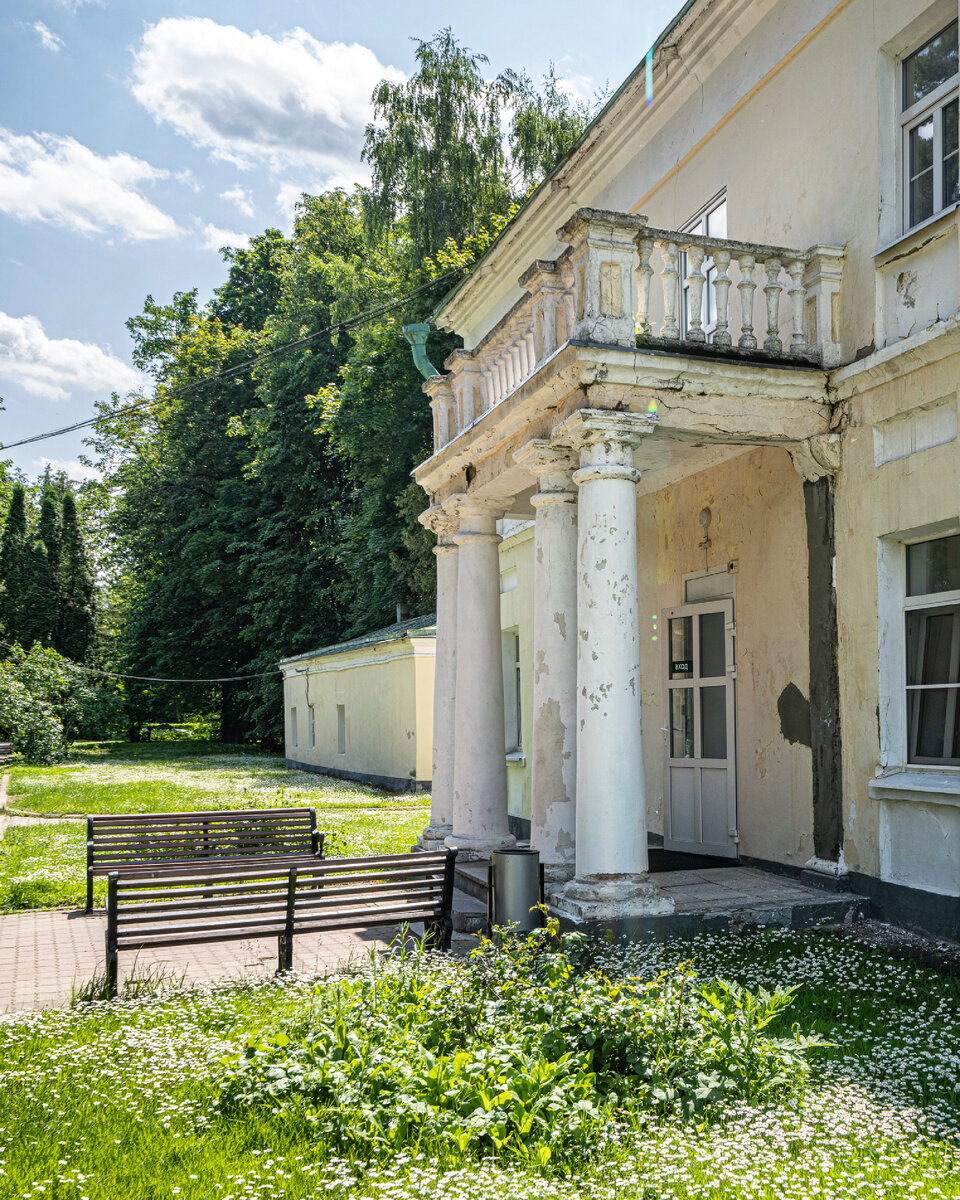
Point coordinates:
[[111, 936], [89, 908], [284, 953]]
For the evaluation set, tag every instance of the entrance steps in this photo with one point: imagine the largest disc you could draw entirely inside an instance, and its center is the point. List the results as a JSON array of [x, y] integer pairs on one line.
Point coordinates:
[[728, 897]]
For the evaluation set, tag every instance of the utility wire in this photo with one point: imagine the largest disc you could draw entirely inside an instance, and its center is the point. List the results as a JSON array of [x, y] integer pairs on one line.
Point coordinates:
[[155, 678], [239, 368]]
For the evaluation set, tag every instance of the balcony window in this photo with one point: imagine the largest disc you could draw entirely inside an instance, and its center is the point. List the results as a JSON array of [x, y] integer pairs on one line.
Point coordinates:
[[929, 122], [710, 222]]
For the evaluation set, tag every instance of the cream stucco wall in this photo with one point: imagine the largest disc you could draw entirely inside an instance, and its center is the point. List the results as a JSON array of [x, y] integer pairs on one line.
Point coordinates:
[[913, 496], [386, 692], [756, 502]]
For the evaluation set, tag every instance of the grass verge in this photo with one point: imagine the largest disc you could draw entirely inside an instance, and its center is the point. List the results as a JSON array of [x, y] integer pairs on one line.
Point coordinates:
[[43, 866], [124, 1100]]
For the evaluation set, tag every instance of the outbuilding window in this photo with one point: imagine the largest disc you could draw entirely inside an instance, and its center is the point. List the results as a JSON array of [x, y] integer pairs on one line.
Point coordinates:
[[929, 123], [932, 638]]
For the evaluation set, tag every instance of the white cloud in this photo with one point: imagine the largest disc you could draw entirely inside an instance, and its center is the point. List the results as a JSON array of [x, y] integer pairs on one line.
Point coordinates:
[[45, 177], [71, 467], [53, 368], [48, 39], [249, 97], [241, 197], [73, 5], [214, 238]]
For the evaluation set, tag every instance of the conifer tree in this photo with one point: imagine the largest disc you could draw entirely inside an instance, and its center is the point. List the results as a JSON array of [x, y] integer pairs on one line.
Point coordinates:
[[40, 597], [77, 624], [13, 554], [50, 529]]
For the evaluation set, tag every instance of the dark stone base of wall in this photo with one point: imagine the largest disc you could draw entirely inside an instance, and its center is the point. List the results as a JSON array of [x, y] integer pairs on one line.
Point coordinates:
[[390, 783], [519, 827]]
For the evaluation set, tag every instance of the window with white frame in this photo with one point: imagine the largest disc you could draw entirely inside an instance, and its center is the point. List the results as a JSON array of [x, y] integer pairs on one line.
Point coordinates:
[[711, 221], [929, 124], [932, 641], [311, 726], [293, 727]]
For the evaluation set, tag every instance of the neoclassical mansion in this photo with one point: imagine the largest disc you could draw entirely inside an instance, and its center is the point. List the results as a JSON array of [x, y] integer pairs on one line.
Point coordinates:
[[696, 477]]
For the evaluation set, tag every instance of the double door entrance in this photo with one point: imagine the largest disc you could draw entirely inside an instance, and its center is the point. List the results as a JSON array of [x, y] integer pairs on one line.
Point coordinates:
[[701, 787]]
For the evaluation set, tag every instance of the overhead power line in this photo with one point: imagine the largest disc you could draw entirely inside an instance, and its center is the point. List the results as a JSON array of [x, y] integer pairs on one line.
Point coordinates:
[[155, 678], [239, 368]]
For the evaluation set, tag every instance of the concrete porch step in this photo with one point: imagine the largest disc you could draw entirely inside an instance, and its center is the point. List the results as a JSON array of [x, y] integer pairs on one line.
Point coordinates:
[[469, 914], [471, 878]]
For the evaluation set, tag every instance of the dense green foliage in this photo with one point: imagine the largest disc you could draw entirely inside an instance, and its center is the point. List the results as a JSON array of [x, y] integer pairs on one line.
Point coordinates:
[[46, 701], [47, 591], [522, 1053], [264, 511]]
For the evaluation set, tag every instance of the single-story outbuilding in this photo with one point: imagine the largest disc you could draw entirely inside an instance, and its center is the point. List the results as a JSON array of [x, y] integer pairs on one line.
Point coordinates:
[[363, 709]]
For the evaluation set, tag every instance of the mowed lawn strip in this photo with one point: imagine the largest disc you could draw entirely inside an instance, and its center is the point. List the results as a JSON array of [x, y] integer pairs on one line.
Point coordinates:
[[43, 866]]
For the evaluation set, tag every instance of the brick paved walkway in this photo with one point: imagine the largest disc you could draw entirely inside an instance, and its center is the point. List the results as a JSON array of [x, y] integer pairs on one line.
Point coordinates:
[[42, 954]]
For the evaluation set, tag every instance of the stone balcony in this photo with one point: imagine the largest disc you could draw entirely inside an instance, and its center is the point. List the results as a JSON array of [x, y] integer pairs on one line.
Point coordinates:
[[600, 293]]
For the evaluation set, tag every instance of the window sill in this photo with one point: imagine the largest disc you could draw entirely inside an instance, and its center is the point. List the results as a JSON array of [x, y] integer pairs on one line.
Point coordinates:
[[928, 787], [901, 243], [516, 758]]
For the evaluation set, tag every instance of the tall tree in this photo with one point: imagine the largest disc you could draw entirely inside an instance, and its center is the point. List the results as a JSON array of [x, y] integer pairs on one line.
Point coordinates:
[[51, 525], [40, 597], [76, 630], [14, 551]]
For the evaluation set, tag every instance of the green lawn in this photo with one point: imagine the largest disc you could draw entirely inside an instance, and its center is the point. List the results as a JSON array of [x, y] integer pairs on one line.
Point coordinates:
[[112, 1100], [44, 866]]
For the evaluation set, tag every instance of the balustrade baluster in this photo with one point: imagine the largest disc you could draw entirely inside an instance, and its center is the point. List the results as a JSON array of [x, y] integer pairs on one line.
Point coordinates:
[[796, 268], [746, 287], [721, 289], [772, 290], [644, 276], [695, 282], [670, 276]]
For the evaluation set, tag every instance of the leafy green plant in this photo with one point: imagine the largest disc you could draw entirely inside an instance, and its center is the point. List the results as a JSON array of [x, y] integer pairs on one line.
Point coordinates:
[[521, 1052]]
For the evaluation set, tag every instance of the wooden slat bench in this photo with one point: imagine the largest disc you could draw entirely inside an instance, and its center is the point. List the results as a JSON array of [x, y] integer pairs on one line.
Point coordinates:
[[177, 908], [143, 844]]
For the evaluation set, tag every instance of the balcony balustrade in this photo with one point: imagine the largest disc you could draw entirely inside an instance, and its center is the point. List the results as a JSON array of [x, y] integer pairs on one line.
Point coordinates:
[[600, 291]]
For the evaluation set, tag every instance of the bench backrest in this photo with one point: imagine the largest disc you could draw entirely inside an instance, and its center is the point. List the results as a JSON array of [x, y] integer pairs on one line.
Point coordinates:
[[160, 838], [280, 901]]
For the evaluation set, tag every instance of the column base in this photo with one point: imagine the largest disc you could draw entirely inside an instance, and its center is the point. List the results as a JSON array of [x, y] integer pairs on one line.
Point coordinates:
[[599, 897], [433, 836], [472, 848], [558, 873]]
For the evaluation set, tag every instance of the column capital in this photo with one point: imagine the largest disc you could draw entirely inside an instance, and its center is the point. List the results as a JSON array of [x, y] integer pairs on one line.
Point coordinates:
[[589, 427], [553, 467], [817, 457], [442, 520]]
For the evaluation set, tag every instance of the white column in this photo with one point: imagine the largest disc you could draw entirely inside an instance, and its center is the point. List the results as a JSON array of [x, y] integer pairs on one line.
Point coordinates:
[[479, 771], [444, 525], [611, 856], [554, 756]]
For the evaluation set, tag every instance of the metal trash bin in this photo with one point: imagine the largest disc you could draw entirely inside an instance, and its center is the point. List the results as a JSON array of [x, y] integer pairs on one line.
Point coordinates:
[[514, 887]]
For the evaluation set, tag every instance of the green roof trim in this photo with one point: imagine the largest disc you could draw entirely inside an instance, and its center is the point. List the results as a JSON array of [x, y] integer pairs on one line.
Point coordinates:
[[528, 200], [414, 626]]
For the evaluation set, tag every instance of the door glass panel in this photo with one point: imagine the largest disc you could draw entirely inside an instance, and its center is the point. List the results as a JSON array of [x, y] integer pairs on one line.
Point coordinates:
[[713, 722], [713, 645], [681, 723], [681, 647]]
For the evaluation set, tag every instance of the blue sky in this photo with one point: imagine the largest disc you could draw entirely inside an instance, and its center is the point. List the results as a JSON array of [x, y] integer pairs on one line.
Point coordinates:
[[138, 137]]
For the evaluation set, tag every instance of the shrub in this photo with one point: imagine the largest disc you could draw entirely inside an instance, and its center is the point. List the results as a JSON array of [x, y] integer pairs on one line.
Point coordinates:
[[521, 1052]]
